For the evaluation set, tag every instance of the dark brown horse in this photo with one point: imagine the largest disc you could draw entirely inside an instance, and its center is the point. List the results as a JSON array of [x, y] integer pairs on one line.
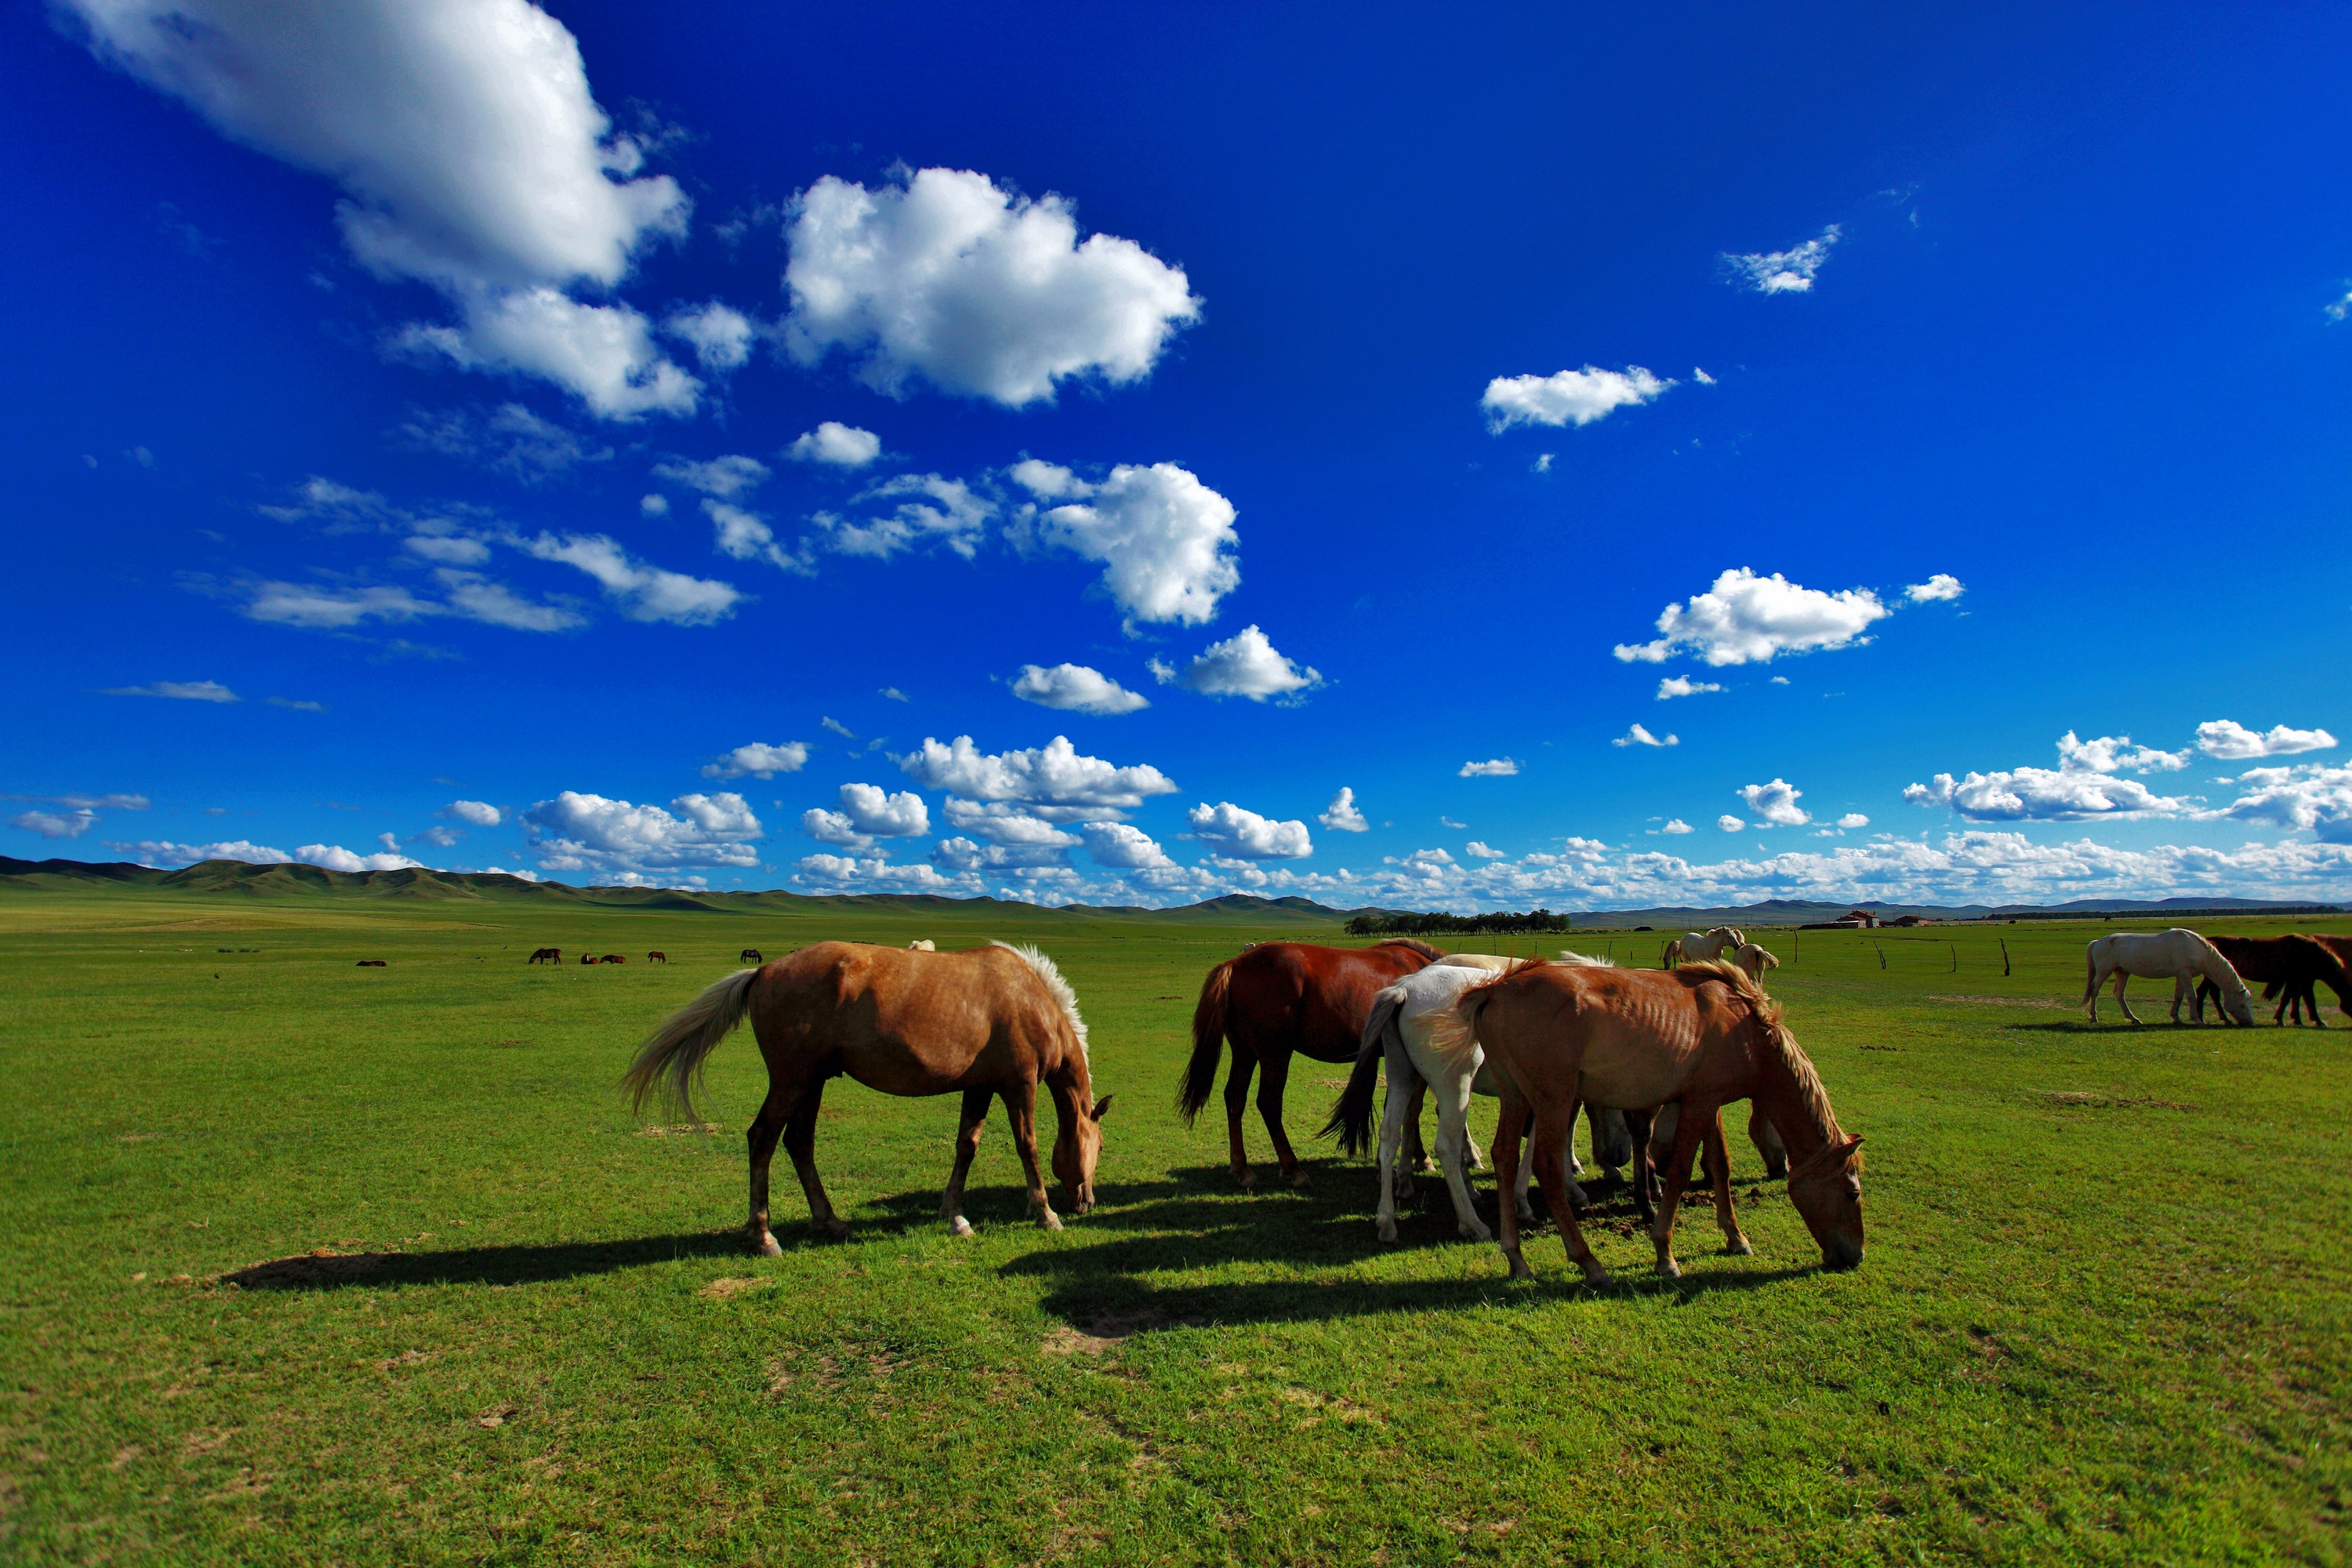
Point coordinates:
[[547, 955], [657, 956], [2287, 968], [1274, 999], [991, 1022], [752, 956]]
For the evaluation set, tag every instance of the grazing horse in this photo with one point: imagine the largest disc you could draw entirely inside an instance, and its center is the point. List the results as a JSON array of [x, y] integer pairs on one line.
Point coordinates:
[[1271, 1000], [922, 944], [547, 955], [371, 963], [752, 956], [1693, 948], [2179, 952], [657, 956], [2287, 968], [1700, 1035], [989, 1022], [1753, 961]]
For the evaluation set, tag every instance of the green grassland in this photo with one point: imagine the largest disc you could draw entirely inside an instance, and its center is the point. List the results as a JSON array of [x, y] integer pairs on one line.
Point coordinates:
[[2104, 1317]]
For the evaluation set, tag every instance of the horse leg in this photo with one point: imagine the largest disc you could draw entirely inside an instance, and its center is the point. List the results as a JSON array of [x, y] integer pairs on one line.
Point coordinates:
[[2182, 992], [1689, 1130], [1393, 1122], [968, 1130], [1717, 1159], [1453, 1132], [2122, 975], [1569, 1169], [1552, 1134], [766, 1127], [1021, 1111], [1508, 1125], [1519, 1204], [1237, 1083], [1769, 1147], [1274, 1072], [1416, 1155], [1640, 1174], [800, 1143]]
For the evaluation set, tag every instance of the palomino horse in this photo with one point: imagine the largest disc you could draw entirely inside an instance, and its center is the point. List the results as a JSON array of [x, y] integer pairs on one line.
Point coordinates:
[[991, 1022], [1691, 947], [2181, 953], [2288, 968], [1271, 1000], [1700, 1035]]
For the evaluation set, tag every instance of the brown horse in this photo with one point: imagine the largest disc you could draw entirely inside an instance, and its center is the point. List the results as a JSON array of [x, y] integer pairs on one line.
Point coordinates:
[[657, 956], [546, 955], [612, 958], [1700, 1036], [752, 956], [990, 1022], [2287, 968], [1276, 998]]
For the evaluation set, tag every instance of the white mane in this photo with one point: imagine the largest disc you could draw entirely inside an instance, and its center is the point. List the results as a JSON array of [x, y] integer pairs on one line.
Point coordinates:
[[1044, 969]]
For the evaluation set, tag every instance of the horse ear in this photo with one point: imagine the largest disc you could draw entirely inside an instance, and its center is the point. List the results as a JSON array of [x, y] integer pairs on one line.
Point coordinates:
[[1102, 1106]]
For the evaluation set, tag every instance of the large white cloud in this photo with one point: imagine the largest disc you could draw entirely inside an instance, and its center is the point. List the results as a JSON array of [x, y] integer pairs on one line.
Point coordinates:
[[1244, 665], [1230, 830], [2308, 797], [948, 277], [69, 824], [643, 593], [1571, 398], [580, 831], [759, 760], [1745, 619], [335, 858], [155, 852], [1776, 803], [1161, 535], [1076, 688], [1124, 847], [2234, 742], [868, 813], [471, 151], [1790, 271], [2082, 786], [1005, 822], [1342, 817], [1053, 781]]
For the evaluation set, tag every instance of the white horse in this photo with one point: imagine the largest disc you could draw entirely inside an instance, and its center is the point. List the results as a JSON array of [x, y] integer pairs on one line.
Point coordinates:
[[922, 944], [1754, 959], [2181, 953], [1691, 947]]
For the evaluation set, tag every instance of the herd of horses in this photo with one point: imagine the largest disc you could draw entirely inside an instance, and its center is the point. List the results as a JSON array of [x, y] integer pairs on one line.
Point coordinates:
[[2216, 968], [555, 955]]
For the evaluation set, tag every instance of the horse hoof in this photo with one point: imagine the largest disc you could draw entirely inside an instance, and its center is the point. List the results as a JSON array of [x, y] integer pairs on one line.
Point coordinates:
[[1049, 1221], [1527, 1211], [1669, 1269], [1575, 1197], [1594, 1275], [1474, 1233], [1520, 1270], [1739, 1247], [1245, 1180], [835, 1230], [1300, 1181], [958, 1227], [766, 1248], [1388, 1231]]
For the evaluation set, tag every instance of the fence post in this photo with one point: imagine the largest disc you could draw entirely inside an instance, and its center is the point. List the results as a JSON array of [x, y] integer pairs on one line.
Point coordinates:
[[1882, 955], [1956, 956], [2004, 956]]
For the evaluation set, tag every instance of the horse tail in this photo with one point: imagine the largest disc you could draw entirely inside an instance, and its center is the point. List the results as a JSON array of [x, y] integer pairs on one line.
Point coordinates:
[[1352, 1118], [671, 1059], [1208, 1042]]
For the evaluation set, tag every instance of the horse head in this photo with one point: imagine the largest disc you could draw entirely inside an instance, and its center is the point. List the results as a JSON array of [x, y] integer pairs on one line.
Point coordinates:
[[1076, 1148], [1826, 1191]]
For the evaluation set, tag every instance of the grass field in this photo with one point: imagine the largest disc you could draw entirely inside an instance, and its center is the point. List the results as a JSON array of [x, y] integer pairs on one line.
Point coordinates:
[[2104, 1317]]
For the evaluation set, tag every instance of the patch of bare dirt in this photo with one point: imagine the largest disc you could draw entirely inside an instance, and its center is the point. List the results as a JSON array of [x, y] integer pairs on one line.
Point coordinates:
[[682, 1130], [406, 1358], [731, 1286], [2010, 1002], [499, 1416], [1109, 1330]]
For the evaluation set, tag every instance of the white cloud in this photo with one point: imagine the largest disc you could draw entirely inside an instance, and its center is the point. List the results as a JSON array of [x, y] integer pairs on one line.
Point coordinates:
[[1728, 823], [1124, 847], [643, 593], [510, 439], [1342, 816], [441, 836], [1005, 822], [759, 760], [653, 505], [836, 727], [2116, 753], [298, 704], [1243, 665], [730, 478], [55, 823], [2310, 797], [473, 812], [1484, 851], [1053, 781], [475, 597], [2234, 742], [1702, 377], [938, 510], [1746, 619], [843, 873], [1780, 680], [1675, 686], [1789, 272], [743, 535], [1775, 804], [948, 277], [1571, 398], [446, 550], [1076, 688], [1499, 768], [470, 597], [1852, 820], [335, 858], [577, 832], [1677, 824], [2082, 785], [838, 444], [721, 335], [893, 694], [153, 852], [1230, 830], [961, 855], [1542, 464], [1639, 735], [867, 814], [1444, 821], [182, 690], [471, 151], [1942, 585], [1161, 535], [2336, 309]]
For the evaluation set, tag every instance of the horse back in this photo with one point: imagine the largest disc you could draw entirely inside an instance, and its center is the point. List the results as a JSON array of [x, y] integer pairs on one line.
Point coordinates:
[[908, 1022], [1630, 1039], [1296, 996]]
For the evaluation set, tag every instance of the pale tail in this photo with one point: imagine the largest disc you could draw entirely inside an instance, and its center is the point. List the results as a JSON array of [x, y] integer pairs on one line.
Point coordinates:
[[671, 1059]]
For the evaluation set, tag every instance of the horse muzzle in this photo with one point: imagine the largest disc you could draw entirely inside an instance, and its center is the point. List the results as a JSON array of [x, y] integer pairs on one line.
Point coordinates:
[[1843, 1257]]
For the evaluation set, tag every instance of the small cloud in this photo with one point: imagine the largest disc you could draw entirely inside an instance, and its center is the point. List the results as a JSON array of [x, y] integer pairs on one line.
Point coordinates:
[[142, 455], [1244, 665], [893, 694], [653, 505], [1942, 585], [1543, 462], [299, 704], [55, 823], [728, 477], [1780, 680], [1789, 272], [1852, 819], [1482, 851], [760, 761], [1569, 397], [1701, 377], [1677, 824], [1639, 735], [181, 691], [837, 444], [838, 728], [1775, 804], [1076, 688], [472, 812], [1683, 686], [1449, 822], [441, 836], [1499, 768], [1728, 823], [2336, 309], [1342, 816]]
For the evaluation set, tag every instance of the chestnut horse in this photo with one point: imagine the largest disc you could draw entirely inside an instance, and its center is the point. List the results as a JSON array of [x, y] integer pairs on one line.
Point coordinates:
[[1276, 998], [1700, 1036], [986, 1023], [2287, 968]]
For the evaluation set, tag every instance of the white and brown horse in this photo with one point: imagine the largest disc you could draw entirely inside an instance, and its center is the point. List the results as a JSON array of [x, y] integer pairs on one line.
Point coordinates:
[[987, 1022]]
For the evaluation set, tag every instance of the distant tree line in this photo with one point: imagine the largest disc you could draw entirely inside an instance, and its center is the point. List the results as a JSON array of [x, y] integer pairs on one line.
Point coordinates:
[[1435, 922]]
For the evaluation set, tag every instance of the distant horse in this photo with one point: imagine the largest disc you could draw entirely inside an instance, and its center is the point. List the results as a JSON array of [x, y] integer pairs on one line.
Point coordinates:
[[657, 956], [371, 963], [752, 956], [922, 944], [2287, 968], [1693, 948], [586, 958], [991, 1022], [546, 955], [1753, 961], [2179, 952], [1699, 1035], [612, 958], [1271, 1000]]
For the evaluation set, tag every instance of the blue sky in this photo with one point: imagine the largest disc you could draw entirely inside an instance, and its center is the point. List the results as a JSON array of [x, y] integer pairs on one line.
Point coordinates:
[[1693, 456]]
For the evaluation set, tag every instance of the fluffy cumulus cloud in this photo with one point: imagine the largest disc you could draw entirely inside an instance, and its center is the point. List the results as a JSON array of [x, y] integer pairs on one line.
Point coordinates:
[[948, 277], [1053, 782], [759, 760], [2308, 798], [835, 445], [155, 852], [1496, 768], [1164, 538], [850, 874], [1229, 830], [721, 335], [1852, 820], [2083, 784], [2231, 742], [1076, 688], [589, 833], [335, 858], [1482, 851], [641, 591], [473, 812], [1775, 804], [1006, 822], [1243, 665], [1790, 271], [1571, 398], [743, 535], [179, 690], [1342, 816], [1639, 735], [868, 813], [1677, 824], [1749, 619], [1730, 824], [1123, 847], [471, 153], [1942, 585], [1675, 686]]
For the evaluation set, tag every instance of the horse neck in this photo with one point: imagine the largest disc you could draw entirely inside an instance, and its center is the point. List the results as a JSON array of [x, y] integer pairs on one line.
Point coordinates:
[[2218, 969], [1070, 1084], [1800, 1112]]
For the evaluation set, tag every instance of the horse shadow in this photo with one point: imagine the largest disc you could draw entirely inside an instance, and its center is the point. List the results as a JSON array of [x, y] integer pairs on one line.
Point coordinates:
[[518, 1265]]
